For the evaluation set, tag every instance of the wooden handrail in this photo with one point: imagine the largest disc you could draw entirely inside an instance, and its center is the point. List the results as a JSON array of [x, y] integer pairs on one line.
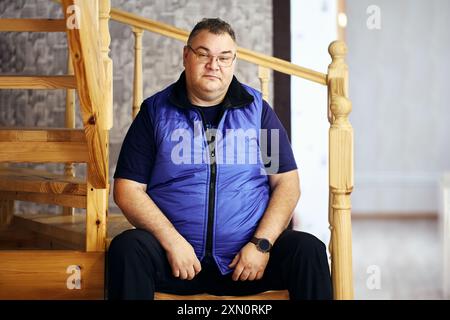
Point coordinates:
[[280, 65]]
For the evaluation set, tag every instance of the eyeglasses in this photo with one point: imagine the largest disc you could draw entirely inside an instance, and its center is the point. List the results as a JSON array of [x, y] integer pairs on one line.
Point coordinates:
[[204, 57]]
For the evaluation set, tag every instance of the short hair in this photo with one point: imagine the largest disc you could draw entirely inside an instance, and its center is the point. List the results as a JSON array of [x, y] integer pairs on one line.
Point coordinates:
[[214, 25]]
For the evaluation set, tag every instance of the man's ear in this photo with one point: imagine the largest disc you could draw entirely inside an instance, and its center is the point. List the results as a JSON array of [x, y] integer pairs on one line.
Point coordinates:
[[185, 53]]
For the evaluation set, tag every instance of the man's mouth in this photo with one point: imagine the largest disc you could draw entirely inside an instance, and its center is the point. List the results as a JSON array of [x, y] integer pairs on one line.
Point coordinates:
[[209, 76]]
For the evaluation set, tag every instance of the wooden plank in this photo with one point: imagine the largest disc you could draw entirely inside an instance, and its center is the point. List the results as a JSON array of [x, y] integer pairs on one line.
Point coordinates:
[[42, 135], [32, 25], [38, 82], [74, 201], [267, 295], [40, 181], [51, 274], [43, 152]]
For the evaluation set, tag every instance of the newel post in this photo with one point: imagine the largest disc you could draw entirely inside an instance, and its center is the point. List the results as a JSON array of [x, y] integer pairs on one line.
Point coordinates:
[[340, 172]]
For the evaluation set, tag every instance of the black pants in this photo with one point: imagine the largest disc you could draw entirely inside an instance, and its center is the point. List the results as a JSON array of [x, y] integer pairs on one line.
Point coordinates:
[[138, 266]]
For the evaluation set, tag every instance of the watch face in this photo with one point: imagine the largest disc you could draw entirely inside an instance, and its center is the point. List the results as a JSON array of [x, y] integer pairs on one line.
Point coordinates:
[[264, 244]]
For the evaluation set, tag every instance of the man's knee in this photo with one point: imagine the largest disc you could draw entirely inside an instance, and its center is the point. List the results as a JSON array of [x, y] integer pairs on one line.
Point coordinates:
[[130, 242], [303, 242]]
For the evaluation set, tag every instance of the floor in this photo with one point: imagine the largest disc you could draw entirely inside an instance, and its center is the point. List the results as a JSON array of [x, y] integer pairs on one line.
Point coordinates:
[[397, 259]]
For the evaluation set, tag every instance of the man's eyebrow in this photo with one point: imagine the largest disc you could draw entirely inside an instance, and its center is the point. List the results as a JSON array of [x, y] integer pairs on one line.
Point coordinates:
[[206, 49]]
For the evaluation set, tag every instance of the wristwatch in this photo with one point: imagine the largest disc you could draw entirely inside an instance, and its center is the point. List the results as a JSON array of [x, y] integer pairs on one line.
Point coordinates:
[[262, 244]]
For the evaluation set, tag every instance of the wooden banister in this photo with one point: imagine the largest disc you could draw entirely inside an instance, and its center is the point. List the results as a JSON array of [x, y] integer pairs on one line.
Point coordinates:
[[244, 54]]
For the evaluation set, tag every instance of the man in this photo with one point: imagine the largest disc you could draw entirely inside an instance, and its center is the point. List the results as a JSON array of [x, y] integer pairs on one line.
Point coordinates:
[[207, 221]]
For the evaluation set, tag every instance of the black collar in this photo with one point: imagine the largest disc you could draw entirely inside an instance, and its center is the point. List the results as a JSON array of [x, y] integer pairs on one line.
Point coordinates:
[[236, 96]]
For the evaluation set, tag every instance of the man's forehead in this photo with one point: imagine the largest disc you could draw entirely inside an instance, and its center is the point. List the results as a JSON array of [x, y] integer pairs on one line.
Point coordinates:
[[211, 42]]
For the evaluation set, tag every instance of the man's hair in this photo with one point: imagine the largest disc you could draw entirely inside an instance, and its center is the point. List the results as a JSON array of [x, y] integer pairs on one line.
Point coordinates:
[[214, 25]]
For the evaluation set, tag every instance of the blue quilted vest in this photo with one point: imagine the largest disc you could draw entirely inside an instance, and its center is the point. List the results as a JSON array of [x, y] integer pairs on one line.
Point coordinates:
[[214, 196]]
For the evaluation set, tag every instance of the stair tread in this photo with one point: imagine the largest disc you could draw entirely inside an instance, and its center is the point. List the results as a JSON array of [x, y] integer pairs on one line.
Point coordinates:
[[8, 134], [69, 228], [32, 25], [37, 82], [39, 181]]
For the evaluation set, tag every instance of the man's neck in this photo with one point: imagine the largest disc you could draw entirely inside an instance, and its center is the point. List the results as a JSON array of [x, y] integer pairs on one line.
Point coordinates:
[[204, 102]]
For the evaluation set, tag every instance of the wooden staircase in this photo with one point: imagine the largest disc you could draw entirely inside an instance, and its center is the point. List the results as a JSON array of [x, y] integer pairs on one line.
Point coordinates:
[[80, 239], [70, 260]]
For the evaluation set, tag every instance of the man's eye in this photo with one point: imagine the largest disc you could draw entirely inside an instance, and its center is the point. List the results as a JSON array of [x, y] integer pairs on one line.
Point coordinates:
[[225, 59], [203, 55]]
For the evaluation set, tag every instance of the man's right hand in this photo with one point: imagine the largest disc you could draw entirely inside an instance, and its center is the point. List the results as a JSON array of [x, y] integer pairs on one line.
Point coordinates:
[[183, 260]]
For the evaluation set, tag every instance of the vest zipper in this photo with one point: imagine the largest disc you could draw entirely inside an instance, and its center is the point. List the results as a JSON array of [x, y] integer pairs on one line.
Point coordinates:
[[212, 186]]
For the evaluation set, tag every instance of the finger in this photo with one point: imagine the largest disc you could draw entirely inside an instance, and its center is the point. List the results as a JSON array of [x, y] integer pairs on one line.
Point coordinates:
[[237, 272], [183, 274], [235, 261], [244, 275], [191, 273], [259, 275], [251, 276], [176, 272], [197, 267]]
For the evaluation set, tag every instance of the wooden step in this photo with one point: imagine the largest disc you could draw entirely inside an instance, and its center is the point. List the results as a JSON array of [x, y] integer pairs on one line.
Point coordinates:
[[37, 82], [70, 230], [51, 274], [43, 145], [32, 25], [40, 181]]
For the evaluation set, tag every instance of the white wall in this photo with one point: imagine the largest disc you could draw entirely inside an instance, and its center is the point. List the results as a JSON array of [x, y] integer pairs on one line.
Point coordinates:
[[313, 28], [400, 94]]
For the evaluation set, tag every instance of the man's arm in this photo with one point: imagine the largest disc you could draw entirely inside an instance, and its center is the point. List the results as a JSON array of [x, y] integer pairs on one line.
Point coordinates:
[[285, 195], [143, 213], [249, 263]]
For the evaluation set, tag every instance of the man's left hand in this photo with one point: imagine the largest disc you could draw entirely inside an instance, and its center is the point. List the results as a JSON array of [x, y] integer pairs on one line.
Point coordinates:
[[249, 263]]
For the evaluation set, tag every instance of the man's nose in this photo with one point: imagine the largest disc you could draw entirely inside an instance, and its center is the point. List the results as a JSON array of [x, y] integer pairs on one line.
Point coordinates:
[[213, 62]]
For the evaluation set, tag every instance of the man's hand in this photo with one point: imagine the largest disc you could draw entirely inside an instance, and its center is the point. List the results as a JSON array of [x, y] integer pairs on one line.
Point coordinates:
[[182, 260], [249, 263]]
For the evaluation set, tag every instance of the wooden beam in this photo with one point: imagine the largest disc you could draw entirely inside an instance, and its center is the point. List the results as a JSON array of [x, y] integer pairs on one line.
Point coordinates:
[[42, 135], [37, 82], [40, 181], [32, 25], [43, 152], [67, 200], [51, 274]]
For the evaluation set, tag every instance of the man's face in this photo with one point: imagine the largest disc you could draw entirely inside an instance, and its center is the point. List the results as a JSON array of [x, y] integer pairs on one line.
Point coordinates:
[[207, 82]]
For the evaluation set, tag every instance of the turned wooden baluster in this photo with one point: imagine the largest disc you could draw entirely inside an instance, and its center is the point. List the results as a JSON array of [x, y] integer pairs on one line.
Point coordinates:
[[69, 169], [137, 84], [340, 172], [264, 76]]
